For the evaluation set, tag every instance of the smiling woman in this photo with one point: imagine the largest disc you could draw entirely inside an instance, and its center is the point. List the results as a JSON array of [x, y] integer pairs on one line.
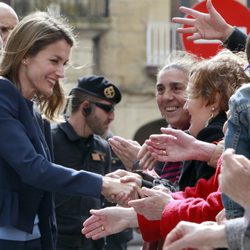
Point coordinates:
[[210, 86], [32, 65], [171, 84]]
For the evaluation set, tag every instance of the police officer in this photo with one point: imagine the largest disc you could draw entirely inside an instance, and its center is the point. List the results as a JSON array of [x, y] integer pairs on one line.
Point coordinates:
[[78, 144]]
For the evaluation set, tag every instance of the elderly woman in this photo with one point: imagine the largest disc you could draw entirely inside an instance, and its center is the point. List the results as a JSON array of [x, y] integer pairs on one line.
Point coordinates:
[[200, 203]]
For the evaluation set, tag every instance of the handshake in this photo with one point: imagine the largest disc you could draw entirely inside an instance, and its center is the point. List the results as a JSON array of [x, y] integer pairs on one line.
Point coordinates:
[[121, 186]]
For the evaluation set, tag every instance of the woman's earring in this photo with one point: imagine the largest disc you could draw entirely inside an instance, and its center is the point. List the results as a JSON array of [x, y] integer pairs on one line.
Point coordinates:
[[24, 62]]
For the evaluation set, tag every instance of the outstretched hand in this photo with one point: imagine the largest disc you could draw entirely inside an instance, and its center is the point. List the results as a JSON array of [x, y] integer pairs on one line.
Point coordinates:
[[172, 146], [126, 150], [188, 235], [116, 191], [235, 169], [209, 25], [147, 161], [151, 206], [108, 221]]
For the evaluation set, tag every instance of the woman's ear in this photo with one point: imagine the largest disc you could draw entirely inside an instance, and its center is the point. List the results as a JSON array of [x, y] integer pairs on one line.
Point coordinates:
[[217, 102]]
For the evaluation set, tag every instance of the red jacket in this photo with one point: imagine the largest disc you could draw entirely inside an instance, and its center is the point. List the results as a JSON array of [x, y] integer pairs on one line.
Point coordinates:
[[195, 204]]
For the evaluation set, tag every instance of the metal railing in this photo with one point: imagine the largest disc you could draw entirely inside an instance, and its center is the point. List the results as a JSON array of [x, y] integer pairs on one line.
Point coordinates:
[[161, 40]]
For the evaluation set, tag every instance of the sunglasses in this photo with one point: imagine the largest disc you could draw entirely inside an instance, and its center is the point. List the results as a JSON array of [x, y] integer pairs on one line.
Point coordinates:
[[107, 108]]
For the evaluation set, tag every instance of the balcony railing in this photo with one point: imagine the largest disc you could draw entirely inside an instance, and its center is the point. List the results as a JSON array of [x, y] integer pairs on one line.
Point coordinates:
[[73, 9]]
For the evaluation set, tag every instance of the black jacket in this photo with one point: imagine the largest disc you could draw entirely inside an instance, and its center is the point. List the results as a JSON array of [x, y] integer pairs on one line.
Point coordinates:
[[91, 154], [194, 170]]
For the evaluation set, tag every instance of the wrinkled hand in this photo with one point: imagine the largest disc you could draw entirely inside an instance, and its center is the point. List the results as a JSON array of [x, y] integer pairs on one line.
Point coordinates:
[[172, 146], [108, 221], [118, 192], [152, 205], [147, 161], [126, 150], [125, 177], [204, 236], [235, 169], [209, 25]]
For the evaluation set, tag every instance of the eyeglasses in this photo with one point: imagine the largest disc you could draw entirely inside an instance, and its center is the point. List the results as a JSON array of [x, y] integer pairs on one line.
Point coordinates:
[[107, 108]]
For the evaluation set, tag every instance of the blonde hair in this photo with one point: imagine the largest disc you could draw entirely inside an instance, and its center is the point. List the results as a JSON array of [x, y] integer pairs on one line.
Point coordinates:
[[222, 74], [35, 32]]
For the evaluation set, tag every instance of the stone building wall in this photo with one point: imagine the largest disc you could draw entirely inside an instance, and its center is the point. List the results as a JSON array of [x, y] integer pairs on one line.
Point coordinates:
[[118, 51], [123, 60]]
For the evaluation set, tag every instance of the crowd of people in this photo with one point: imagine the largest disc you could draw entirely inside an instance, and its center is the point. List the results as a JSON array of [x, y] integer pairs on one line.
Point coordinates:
[[73, 186]]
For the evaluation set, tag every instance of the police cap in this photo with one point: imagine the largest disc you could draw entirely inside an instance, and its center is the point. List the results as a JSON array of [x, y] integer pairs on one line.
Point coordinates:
[[100, 87]]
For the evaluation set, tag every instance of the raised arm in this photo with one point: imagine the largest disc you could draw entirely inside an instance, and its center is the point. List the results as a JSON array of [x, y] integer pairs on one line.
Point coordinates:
[[209, 25]]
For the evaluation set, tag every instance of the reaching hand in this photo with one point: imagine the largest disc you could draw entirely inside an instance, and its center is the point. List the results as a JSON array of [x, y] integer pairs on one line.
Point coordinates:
[[172, 146], [126, 150], [126, 176], [153, 204], [204, 236], [118, 192], [203, 25], [108, 221], [235, 169], [147, 161]]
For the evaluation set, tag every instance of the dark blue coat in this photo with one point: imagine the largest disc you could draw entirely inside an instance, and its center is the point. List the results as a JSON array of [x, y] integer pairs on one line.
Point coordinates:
[[27, 176]]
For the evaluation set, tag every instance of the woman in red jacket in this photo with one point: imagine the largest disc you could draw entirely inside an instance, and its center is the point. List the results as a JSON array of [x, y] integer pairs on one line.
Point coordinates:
[[195, 204], [159, 212]]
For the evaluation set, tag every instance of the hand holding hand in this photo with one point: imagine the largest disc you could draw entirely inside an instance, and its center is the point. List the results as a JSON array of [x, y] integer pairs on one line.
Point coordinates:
[[153, 204], [209, 25], [118, 192], [126, 176]]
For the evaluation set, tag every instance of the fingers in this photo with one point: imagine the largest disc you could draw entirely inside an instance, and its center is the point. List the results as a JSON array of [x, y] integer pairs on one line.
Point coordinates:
[[162, 188], [142, 151], [171, 131], [94, 226], [173, 236], [138, 204], [147, 162], [194, 37], [96, 232], [188, 30], [119, 142], [211, 8], [182, 20], [135, 179], [113, 175], [173, 239], [150, 192], [191, 12], [119, 173]]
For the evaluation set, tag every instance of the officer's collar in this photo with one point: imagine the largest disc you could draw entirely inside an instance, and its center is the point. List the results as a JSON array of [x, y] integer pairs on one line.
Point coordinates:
[[71, 134]]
